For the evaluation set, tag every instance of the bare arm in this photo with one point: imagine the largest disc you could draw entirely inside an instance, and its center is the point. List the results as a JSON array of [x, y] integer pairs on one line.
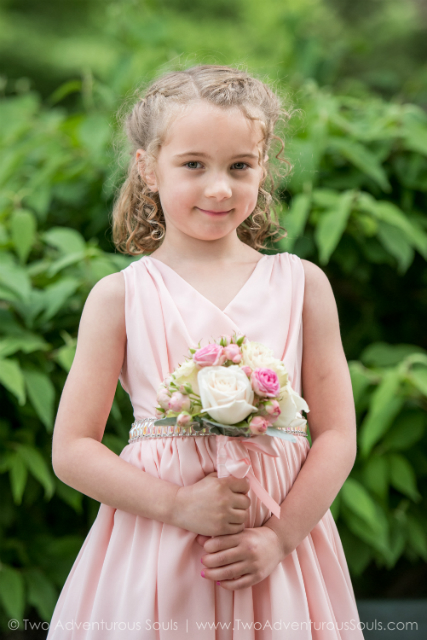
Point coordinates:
[[327, 389], [81, 460], [78, 456]]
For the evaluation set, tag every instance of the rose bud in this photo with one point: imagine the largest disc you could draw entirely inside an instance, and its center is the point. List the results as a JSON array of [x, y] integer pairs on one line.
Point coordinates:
[[233, 353], [179, 402], [247, 370], [209, 356], [272, 407], [183, 419], [163, 398], [258, 425]]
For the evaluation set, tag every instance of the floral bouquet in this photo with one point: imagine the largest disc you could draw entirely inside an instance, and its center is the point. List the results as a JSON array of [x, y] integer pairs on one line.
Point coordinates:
[[232, 387]]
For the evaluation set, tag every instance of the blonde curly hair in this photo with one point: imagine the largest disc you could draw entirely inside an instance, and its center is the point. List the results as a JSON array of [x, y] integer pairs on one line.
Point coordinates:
[[138, 220]]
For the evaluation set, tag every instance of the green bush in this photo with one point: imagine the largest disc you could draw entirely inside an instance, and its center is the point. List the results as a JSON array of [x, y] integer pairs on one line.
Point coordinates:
[[355, 204]]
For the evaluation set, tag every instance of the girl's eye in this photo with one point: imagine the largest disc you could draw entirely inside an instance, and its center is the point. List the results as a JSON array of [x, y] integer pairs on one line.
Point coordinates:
[[188, 164], [240, 165]]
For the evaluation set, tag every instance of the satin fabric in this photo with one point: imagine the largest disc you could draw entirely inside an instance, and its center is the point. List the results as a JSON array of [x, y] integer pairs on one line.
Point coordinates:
[[139, 578]]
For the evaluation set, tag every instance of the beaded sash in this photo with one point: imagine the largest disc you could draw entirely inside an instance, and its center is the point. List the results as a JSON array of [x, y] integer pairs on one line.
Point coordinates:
[[145, 428]]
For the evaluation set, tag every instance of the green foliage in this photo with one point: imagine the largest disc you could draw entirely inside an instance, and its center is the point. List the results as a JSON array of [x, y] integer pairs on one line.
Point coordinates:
[[382, 505], [51, 171]]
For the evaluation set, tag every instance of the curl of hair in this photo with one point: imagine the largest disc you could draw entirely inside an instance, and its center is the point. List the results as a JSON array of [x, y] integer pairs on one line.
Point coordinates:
[[139, 224]]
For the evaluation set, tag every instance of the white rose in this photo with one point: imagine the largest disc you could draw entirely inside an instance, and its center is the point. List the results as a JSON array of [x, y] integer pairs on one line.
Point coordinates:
[[226, 393], [257, 355], [187, 373], [290, 406]]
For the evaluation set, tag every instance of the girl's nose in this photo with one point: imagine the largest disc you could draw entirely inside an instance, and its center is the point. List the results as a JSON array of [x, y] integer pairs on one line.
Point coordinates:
[[218, 187]]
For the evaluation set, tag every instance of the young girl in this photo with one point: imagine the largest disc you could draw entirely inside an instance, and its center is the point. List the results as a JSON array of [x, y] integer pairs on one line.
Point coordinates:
[[175, 551]]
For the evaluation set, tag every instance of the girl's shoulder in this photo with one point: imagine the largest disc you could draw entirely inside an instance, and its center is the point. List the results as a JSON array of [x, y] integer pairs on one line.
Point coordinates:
[[317, 288], [107, 297]]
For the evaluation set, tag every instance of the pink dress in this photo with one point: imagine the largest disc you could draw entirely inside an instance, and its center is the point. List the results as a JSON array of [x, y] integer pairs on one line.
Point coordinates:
[[139, 578]]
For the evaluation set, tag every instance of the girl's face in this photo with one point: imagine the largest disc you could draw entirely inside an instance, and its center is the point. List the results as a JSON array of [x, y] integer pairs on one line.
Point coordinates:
[[207, 171]]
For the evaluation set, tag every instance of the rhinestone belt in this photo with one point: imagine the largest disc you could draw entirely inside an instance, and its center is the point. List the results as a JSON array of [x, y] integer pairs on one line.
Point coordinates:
[[145, 428]]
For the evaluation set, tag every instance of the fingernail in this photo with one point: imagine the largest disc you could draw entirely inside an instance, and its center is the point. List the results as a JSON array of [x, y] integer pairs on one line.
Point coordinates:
[[218, 583], [203, 574]]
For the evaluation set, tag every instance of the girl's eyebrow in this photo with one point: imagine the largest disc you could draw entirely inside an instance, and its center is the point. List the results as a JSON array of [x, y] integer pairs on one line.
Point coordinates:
[[206, 155]]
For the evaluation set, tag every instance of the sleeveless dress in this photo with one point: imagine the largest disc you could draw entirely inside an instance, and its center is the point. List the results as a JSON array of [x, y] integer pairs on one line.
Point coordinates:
[[139, 578]]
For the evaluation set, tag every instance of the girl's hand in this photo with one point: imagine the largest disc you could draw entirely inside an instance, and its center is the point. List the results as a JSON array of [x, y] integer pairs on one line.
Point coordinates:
[[242, 559], [213, 506]]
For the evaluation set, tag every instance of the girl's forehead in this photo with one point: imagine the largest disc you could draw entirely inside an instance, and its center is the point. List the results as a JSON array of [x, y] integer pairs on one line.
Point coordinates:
[[207, 123]]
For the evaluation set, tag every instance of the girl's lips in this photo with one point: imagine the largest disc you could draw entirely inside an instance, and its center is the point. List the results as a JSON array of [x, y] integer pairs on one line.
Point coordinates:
[[215, 213]]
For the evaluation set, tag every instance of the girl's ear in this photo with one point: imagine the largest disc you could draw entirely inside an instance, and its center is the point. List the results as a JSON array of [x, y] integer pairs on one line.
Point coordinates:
[[149, 177]]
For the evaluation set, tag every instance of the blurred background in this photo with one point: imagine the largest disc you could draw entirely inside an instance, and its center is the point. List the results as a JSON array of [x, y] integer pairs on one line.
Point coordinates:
[[355, 75]]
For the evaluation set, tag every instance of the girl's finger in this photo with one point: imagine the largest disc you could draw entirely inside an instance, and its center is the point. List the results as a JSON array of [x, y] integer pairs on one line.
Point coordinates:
[[238, 583], [231, 571], [202, 539], [219, 543]]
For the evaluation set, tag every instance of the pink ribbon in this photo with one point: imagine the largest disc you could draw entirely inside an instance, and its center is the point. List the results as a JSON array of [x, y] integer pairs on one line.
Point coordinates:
[[242, 467]]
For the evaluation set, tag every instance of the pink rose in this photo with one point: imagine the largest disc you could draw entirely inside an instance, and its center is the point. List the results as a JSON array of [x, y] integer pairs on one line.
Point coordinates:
[[209, 356], [163, 398], [178, 402], [258, 425], [273, 410], [183, 419], [265, 382], [233, 352], [247, 370]]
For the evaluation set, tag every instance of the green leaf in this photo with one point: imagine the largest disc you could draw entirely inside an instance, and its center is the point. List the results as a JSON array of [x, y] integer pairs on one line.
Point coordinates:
[[331, 226], [63, 262], [357, 552], [418, 377], [407, 429], [15, 279], [360, 380], [402, 476], [378, 539], [296, 219], [56, 295], [36, 464], [65, 240], [397, 544], [362, 158], [392, 215], [12, 592], [69, 495], [27, 342], [12, 378], [65, 356], [355, 496], [381, 354], [376, 476], [42, 395], [18, 477], [41, 593], [395, 243], [417, 536], [23, 226], [335, 507], [385, 405]]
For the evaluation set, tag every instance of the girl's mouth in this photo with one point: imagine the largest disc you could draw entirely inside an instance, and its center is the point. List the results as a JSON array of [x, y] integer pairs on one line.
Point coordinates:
[[214, 213]]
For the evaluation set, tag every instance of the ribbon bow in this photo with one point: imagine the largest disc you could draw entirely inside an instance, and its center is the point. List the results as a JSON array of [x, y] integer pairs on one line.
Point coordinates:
[[242, 467]]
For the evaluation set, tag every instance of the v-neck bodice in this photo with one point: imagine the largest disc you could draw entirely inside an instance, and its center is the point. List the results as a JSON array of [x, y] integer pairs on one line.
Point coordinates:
[[184, 281], [165, 316]]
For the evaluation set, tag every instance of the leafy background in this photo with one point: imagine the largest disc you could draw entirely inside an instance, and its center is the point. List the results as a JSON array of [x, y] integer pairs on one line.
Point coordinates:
[[355, 204]]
